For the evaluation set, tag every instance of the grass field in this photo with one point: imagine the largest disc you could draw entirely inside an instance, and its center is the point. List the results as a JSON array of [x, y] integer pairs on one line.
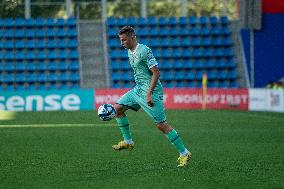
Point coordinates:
[[73, 150]]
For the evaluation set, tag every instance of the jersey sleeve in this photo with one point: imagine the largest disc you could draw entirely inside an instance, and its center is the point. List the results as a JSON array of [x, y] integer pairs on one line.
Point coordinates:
[[151, 60]]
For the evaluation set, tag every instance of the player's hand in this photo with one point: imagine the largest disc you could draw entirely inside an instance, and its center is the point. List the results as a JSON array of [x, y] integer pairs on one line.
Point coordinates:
[[149, 100]]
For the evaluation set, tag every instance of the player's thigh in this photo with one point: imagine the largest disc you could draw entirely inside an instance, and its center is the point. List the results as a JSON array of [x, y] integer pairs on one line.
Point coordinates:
[[157, 112], [129, 101]]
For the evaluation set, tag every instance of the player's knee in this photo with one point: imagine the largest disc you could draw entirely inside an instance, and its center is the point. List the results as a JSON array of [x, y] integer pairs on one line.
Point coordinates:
[[119, 110], [164, 127]]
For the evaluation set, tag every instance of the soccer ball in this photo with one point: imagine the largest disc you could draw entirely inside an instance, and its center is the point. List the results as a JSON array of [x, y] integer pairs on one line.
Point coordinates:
[[106, 112]]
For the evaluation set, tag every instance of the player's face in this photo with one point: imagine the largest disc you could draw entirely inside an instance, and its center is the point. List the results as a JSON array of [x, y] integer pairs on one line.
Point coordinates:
[[127, 41]]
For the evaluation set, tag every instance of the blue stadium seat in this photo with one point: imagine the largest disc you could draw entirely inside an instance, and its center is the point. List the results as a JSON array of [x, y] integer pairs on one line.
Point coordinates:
[[111, 21], [20, 55], [40, 33], [29, 23], [121, 21], [73, 54], [19, 45], [20, 66], [142, 22], [8, 33], [51, 77], [31, 77], [74, 65], [71, 32], [184, 31], [9, 55], [62, 44], [203, 20], [215, 31], [8, 45], [153, 31], [193, 20], [72, 43], [172, 21], [61, 33], [233, 84], [50, 32], [31, 66], [52, 55], [20, 77], [39, 22], [51, 44], [19, 23], [213, 20], [162, 21], [206, 41], [227, 41], [71, 22], [30, 55], [131, 21], [60, 22], [163, 31], [30, 33], [212, 74], [51, 65], [194, 31], [152, 21], [7, 23], [7, 77], [41, 77], [19, 33], [173, 31], [41, 55], [63, 55], [224, 20], [8, 66], [62, 66], [204, 31], [50, 22], [182, 21], [41, 66]]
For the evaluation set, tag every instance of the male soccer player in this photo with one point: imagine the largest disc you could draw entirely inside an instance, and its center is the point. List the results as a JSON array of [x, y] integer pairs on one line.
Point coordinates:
[[147, 93]]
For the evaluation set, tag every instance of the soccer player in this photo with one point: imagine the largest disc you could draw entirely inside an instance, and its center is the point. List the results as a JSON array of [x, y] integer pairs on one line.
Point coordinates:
[[147, 93]]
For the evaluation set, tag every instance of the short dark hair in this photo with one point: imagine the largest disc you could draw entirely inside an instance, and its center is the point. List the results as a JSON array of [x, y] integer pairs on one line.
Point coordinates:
[[126, 30]]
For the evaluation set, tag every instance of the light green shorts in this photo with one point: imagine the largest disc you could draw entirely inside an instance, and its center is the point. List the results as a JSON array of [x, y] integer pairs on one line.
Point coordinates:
[[135, 100]]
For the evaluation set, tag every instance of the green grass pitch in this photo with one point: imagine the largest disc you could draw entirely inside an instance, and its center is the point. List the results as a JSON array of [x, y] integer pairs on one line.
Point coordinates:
[[62, 150]]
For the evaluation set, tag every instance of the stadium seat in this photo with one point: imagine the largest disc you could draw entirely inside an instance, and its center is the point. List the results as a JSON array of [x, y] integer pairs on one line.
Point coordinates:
[[131, 21], [29, 23], [60, 23], [213, 20], [50, 22], [152, 21], [182, 21], [172, 21], [162, 21], [39, 22], [19, 23], [203, 20], [193, 20], [224, 20], [141, 21], [121, 22], [7, 23]]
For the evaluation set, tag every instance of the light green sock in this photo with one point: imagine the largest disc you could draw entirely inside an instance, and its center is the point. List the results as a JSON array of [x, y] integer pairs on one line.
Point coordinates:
[[176, 141], [124, 127]]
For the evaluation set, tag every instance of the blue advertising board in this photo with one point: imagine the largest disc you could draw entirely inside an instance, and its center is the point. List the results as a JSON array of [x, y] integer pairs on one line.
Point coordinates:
[[66, 100]]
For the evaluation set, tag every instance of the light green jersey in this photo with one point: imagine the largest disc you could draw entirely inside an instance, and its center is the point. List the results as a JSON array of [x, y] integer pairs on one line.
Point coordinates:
[[141, 61]]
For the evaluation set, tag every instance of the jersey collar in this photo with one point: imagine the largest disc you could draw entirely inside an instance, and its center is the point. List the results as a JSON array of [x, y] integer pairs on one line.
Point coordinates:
[[134, 52]]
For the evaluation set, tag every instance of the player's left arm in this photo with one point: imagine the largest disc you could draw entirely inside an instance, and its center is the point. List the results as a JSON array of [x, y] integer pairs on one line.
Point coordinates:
[[152, 64], [154, 81]]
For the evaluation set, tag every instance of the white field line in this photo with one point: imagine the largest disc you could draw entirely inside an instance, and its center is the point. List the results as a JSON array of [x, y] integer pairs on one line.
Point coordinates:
[[58, 125]]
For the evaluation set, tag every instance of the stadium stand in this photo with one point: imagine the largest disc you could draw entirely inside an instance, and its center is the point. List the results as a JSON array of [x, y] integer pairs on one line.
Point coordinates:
[[38, 54], [185, 47]]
